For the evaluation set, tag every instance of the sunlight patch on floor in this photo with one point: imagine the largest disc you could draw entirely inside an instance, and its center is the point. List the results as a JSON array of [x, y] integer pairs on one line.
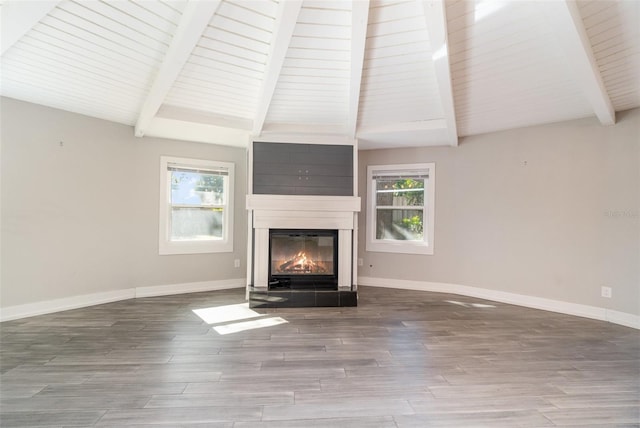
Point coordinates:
[[220, 314], [249, 325], [225, 315], [470, 305]]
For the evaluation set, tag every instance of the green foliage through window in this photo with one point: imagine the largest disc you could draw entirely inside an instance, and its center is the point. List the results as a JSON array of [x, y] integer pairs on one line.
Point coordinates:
[[414, 224], [411, 190], [413, 197]]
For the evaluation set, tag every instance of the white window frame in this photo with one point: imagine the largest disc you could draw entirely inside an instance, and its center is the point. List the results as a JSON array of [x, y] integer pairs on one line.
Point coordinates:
[[426, 245], [165, 245]]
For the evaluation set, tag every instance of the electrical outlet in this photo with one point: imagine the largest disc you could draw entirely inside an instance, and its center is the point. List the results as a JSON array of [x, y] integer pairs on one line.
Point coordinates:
[[360, 262], [606, 292], [236, 263]]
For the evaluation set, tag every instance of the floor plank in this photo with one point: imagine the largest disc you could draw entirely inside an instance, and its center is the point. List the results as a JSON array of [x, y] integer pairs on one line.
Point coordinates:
[[400, 359]]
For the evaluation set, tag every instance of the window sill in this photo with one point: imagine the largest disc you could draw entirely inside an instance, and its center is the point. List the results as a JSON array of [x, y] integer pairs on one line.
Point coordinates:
[[399, 247], [193, 247]]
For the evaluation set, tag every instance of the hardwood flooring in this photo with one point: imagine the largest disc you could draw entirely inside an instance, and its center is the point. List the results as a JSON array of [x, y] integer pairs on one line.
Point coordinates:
[[400, 359]]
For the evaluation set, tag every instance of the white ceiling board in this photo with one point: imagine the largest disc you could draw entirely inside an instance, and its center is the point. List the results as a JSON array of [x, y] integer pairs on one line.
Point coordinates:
[[226, 52], [206, 66], [153, 14], [325, 70], [392, 10], [83, 18], [156, 35], [311, 76], [612, 27], [399, 76], [19, 17], [515, 79], [38, 93], [422, 125], [69, 61]]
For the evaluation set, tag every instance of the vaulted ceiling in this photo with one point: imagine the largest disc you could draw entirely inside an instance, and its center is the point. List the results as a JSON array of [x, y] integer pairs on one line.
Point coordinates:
[[387, 73]]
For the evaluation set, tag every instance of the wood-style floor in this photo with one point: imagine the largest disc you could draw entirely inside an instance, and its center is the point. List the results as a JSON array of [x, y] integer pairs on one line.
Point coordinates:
[[400, 359]]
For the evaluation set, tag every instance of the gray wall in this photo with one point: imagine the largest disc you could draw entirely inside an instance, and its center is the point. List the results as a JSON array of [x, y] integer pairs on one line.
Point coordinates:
[[83, 217], [548, 211]]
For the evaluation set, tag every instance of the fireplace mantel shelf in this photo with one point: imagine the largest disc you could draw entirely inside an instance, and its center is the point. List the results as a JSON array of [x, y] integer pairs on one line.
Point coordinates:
[[349, 204]]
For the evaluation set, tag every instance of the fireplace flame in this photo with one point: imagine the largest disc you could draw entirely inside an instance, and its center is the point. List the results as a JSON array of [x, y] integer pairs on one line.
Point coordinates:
[[301, 263]]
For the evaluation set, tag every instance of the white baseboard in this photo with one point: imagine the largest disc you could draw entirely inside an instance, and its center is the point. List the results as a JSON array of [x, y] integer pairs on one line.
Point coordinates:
[[616, 317], [67, 303], [190, 287], [623, 318], [57, 305]]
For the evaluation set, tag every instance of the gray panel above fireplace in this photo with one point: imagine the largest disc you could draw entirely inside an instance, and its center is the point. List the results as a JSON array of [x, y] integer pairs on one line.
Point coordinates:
[[302, 169]]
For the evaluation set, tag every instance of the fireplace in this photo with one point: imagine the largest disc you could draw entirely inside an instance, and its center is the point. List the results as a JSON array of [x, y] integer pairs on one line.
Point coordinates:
[[301, 258], [302, 251]]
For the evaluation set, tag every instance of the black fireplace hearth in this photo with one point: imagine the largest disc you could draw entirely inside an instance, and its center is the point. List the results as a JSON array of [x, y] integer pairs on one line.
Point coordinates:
[[296, 298]]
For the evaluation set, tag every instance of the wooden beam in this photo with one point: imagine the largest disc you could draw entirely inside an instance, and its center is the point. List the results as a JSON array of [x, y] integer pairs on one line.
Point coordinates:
[[564, 17], [19, 17], [436, 19], [359, 21], [338, 139], [199, 116], [420, 125], [194, 21], [306, 128], [162, 127], [284, 25]]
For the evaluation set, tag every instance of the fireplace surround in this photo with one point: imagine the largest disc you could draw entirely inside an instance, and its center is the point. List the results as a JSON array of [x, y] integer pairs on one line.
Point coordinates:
[[270, 214]]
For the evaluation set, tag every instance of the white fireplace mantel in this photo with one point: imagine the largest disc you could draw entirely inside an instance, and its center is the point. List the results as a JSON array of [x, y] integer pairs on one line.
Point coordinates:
[[302, 212], [303, 203]]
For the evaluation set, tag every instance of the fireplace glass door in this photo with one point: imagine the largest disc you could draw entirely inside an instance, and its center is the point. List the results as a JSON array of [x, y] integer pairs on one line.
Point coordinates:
[[299, 257]]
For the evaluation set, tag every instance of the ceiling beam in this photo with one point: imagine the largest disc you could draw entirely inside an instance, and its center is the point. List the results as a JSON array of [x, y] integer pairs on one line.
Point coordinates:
[[436, 19], [418, 125], [162, 127], [335, 139], [306, 128], [564, 17], [194, 21], [285, 23], [207, 118], [18, 17], [359, 21]]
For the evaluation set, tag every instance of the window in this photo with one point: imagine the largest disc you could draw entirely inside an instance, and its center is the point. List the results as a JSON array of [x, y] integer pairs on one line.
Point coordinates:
[[401, 208], [196, 202]]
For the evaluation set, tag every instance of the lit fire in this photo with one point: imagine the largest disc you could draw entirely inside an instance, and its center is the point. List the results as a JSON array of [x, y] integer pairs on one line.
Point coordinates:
[[300, 263]]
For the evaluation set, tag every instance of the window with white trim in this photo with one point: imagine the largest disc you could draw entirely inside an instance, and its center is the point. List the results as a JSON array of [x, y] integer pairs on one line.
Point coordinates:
[[196, 206], [400, 210]]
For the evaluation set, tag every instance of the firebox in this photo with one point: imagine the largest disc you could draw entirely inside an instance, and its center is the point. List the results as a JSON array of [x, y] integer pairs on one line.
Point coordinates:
[[303, 258]]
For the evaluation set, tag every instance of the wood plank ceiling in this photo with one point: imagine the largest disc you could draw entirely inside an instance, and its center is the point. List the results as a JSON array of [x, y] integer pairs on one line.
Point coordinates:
[[387, 73]]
